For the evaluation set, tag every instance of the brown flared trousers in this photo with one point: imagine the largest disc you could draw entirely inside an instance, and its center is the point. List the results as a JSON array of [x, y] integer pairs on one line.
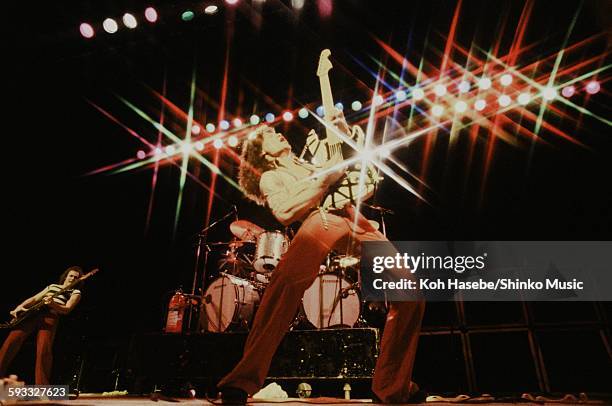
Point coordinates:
[[295, 273], [46, 324]]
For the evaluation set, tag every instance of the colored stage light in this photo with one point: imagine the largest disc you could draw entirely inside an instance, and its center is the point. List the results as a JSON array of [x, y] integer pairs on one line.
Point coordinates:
[[303, 113], [141, 154], [170, 149], [186, 148], [237, 122], [440, 90], [437, 110], [150, 14], [340, 106], [86, 30], [129, 21], [212, 9], [549, 93], [356, 105], [254, 119], [504, 100], [187, 15], [110, 26], [224, 125], [593, 87], [195, 129], [384, 152], [460, 106], [210, 127], [270, 117], [568, 91], [524, 98], [418, 93], [480, 105], [506, 79], [400, 95], [463, 86], [157, 151], [378, 100], [287, 116], [199, 145], [232, 141], [218, 143], [231, 2], [320, 111], [484, 83]]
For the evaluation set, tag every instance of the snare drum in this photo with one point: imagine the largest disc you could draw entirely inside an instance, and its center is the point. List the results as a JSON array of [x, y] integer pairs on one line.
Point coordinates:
[[330, 301], [230, 302], [271, 245]]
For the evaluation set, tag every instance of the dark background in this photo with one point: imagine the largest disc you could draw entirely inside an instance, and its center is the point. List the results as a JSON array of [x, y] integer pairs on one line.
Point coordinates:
[[56, 217]]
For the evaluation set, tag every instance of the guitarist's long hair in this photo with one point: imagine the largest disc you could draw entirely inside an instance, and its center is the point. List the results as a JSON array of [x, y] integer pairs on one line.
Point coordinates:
[[252, 165], [64, 274]]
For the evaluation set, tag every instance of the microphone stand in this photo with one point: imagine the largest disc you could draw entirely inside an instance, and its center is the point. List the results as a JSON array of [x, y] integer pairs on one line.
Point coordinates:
[[202, 240]]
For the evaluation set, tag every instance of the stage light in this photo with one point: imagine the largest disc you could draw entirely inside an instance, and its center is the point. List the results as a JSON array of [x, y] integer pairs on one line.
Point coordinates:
[[568, 91], [157, 151], [110, 26], [437, 110], [287, 116], [593, 87], [378, 100], [356, 105], [460, 106], [524, 98], [86, 30], [254, 119], [141, 154], [504, 100], [232, 141], [195, 129], [224, 125], [129, 21], [170, 149], [297, 4], [340, 106], [150, 14], [186, 148], [418, 93], [231, 2], [187, 15], [463, 86], [212, 9], [303, 113], [549, 93], [252, 135], [270, 117], [384, 152], [506, 79], [400, 95], [218, 143], [237, 122], [480, 105], [320, 111], [210, 127], [199, 145], [440, 90], [484, 83]]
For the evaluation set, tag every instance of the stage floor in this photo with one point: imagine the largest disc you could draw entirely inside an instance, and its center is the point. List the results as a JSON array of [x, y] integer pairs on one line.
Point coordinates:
[[87, 400]]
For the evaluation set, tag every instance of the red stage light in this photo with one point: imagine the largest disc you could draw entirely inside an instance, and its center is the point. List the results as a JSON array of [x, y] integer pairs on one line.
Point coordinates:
[[568, 91], [86, 30], [150, 14], [141, 154], [287, 116], [593, 87]]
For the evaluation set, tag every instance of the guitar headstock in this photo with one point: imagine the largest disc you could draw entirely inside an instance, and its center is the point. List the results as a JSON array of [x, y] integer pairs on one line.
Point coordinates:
[[324, 63], [88, 275]]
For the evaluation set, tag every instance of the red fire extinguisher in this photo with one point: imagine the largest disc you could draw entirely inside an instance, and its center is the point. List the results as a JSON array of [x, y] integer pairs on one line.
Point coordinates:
[[176, 312]]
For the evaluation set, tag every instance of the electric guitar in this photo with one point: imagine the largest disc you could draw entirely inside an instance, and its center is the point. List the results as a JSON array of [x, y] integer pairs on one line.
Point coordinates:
[[347, 190], [40, 305]]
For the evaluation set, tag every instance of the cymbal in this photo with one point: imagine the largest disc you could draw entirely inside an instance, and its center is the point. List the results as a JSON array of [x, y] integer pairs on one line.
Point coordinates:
[[245, 230]]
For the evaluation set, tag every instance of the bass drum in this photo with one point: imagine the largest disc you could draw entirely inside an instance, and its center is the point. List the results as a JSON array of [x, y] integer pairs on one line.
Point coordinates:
[[330, 302], [230, 303]]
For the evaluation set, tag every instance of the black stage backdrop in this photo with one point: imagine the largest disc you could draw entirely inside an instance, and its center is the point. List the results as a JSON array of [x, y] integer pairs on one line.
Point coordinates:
[[55, 216]]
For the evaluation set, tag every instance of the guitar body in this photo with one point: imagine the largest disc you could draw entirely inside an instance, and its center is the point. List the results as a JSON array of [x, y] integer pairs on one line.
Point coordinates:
[[348, 190], [21, 318]]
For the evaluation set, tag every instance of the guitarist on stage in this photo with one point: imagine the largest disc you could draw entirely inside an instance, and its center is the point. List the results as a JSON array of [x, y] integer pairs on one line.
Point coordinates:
[[45, 322], [271, 175]]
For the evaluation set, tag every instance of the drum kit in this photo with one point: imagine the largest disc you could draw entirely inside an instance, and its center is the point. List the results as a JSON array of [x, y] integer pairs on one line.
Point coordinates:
[[248, 262]]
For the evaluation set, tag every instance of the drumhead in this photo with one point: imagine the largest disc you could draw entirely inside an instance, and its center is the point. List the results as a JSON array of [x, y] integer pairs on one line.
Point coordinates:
[[322, 305], [220, 303]]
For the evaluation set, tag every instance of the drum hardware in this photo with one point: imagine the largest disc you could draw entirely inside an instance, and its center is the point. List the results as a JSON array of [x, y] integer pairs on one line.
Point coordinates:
[[382, 211], [230, 301], [244, 230], [271, 245], [324, 306]]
